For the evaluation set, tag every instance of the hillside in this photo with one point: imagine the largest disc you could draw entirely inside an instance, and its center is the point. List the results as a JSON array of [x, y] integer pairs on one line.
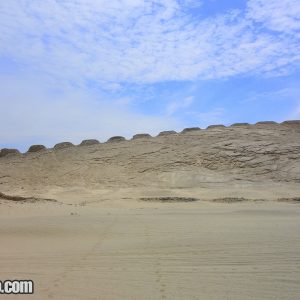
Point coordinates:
[[253, 161], [191, 215]]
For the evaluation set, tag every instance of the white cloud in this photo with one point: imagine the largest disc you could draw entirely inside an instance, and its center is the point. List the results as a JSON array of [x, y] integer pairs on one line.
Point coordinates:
[[70, 46], [145, 41], [282, 16], [31, 114]]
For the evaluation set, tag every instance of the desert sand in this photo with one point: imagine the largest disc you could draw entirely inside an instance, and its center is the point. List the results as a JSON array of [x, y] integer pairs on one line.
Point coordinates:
[[204, 214]]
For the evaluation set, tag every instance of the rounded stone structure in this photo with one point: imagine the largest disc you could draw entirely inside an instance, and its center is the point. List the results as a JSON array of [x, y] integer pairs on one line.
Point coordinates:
[[291, 122], [141, 136], [167, 132], [239, 124], [116, 139], [6, 151], [190, 129], [89, 142], [266, 123], [216, 126], [63, 145], [36, 148]]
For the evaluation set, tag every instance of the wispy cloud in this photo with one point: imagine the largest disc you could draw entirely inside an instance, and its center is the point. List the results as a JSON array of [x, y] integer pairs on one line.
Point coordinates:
[[31, 114], [145, 41], [75, 69], [281, 16]]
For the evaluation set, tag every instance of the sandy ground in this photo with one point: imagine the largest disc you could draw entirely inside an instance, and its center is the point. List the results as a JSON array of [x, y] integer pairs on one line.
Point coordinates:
[[136, 250], [96, 239]]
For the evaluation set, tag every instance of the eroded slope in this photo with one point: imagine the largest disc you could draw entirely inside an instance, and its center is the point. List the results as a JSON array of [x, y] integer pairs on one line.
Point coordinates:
[[239, 156]]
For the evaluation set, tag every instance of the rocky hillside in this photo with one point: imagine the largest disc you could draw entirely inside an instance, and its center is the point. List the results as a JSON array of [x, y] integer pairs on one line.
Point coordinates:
[[266, 152]]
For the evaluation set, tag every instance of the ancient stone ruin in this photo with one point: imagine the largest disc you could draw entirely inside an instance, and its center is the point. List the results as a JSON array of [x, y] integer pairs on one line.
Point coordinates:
[[186, 130], [116, 139], [36, 148], [239, 124], [167, 132], [63, 145], [89, 142], [292, 124], [215, 126], [6, 151], [266, 123], [141, 136]]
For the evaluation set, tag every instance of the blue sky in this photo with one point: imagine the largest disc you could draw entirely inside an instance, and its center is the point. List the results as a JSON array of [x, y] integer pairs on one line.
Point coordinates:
[[76, 69]]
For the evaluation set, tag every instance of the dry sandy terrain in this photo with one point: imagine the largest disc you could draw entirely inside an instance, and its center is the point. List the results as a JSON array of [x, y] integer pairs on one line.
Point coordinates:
[[138, 250], [73, 219]]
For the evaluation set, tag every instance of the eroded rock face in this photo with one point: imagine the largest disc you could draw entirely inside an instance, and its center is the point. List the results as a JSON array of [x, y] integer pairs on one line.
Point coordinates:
[[237, 154], [167, 132], [116, 139], [141, 136], [36, 148], [63, 145], [191, 129], [6, 151], [89, 142], [216, 126]]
